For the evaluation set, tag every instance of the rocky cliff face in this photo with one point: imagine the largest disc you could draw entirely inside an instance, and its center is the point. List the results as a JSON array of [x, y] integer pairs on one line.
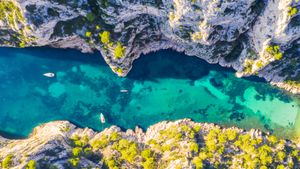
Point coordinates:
[[254, 37], [179, 144]]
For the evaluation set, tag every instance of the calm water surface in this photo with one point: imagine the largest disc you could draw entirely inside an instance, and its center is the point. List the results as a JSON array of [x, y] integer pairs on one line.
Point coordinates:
[[162, 86]]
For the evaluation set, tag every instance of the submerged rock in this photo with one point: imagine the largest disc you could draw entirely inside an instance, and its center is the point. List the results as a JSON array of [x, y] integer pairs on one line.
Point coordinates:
[[254, 37], [56, 89]]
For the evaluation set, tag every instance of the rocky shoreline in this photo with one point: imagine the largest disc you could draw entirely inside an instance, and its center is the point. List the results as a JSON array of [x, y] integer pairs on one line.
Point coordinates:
[[61, 144]]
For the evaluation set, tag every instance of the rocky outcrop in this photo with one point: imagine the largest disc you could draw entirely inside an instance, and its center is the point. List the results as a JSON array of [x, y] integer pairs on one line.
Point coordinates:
[[254, 37], [48, 144], [181, 143]]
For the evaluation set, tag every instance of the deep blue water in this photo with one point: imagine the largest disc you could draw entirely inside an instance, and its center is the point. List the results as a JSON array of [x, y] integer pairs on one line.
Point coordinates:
[[162, 86]]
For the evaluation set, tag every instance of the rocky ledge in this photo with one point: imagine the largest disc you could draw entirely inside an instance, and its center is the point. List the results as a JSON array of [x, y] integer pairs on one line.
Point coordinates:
[[179, 144], [254, 37]]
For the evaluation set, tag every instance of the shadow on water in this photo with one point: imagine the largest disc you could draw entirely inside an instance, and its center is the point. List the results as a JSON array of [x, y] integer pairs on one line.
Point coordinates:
[[9, 135], [172, 64], [255, 79], [54, 53], [161, 64]]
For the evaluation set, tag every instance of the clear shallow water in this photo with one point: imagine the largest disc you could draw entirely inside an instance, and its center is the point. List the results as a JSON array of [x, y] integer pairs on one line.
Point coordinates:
[[162, 86]]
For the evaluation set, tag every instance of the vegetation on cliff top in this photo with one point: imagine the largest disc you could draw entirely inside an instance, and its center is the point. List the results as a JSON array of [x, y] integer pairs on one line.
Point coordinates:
[[182, 145], [11, 13], [172, 145]]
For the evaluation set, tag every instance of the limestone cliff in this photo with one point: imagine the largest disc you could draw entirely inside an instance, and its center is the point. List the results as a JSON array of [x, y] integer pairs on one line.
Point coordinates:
[[254, 37], [179, 144]]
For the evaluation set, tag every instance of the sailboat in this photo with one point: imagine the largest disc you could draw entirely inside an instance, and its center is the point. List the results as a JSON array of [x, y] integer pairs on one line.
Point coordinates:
[[124, 91], [49, 74], [102, 119]]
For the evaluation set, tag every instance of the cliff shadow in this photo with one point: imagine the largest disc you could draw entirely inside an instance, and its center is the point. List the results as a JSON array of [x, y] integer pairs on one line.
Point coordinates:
[[8, 135], [55, 54], [173, 64]]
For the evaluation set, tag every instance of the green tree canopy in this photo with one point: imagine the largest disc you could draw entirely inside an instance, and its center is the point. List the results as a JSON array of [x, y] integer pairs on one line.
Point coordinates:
[[105, 37], [31, 165], [119, 51]]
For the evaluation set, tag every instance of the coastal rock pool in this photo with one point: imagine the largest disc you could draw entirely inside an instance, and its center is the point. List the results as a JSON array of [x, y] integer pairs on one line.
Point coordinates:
[[161, 86]]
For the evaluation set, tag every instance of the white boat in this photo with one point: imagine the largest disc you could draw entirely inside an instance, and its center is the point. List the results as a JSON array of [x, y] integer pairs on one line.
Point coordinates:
[[124, 91], [102, 119], [49, 74]]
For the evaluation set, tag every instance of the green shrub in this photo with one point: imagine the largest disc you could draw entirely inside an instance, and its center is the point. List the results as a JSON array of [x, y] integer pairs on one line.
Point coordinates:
[[222, 138], [259, 64], [293, 83], [76, 151], [280, 167], [146, 153], [272, 139], [128, 149], [119, 51], [31, 164], [264, 155], [115, 136], [203, 155], [79, 141], [111, 163], [191, 134], [22, 44], [98, 27], [152, 141], [292, 11], [100, 143], [198, 163], [149, 163], [171, 133], [7, 161], [280, 156], [166, 147], [248, 65], [194, 147], [119, 70], [197, 128], [148, 159], [274, 51], [231, 134], [75, 137], [211, 140], [74, 161], [88, 34], [105, 37]]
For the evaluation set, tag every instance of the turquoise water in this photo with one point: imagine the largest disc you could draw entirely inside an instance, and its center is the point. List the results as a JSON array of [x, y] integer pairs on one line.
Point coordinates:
[[162, 86]]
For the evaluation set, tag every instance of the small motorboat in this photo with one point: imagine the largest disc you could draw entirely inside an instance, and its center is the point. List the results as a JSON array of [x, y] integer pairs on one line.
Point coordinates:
[[124, 91], [102, 119], [49, 74]]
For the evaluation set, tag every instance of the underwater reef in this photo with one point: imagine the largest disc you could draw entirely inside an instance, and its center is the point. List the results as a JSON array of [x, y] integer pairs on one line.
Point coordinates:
[[254, 37], [177, 144]]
